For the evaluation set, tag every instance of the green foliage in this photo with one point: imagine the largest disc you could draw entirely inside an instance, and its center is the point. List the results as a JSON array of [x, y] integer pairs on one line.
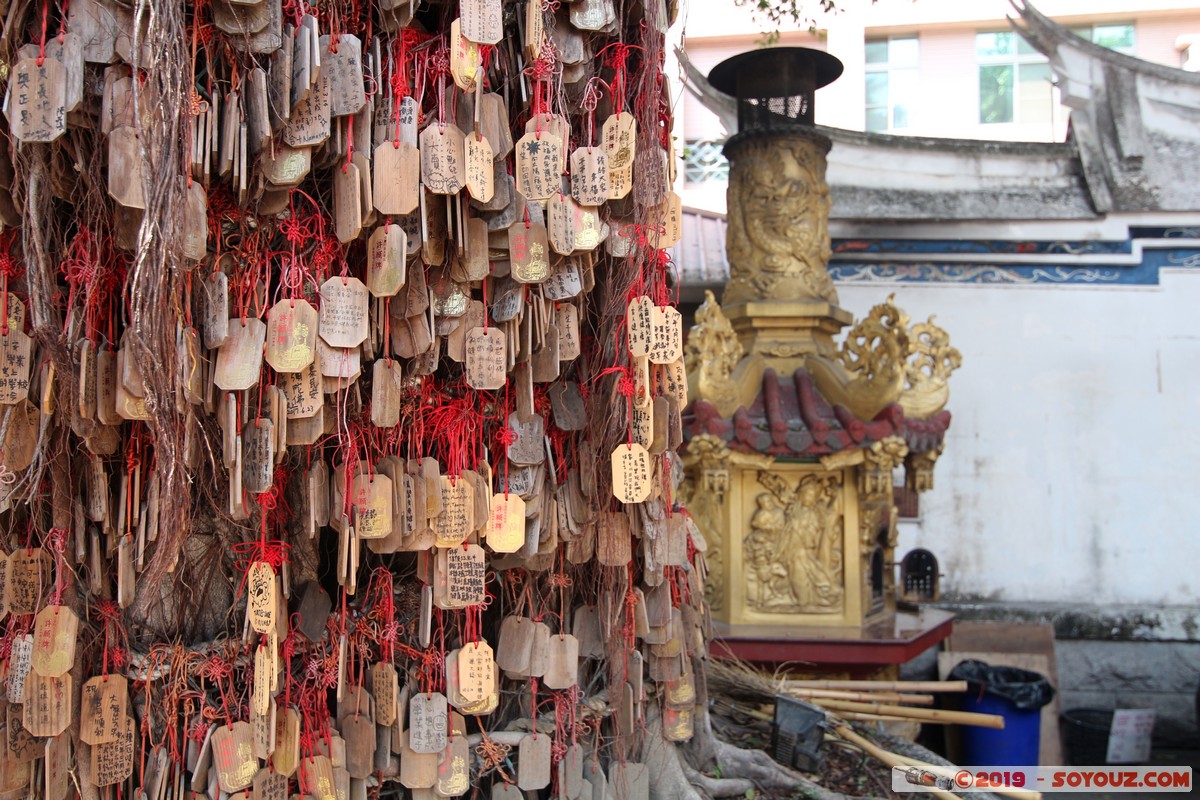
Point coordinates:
[[774, 15], [778, 15]]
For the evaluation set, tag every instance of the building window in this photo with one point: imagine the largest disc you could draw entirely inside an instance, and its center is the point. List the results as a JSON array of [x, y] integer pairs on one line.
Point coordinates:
[[1015, 81], [1114, 37], [704, 161], [891, 66]]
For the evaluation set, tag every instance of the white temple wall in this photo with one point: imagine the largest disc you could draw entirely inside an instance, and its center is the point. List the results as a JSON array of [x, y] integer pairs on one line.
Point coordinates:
[[1070, 467]]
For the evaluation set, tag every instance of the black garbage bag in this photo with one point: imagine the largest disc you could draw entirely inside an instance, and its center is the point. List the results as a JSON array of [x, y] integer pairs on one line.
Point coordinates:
[[1023, 688]]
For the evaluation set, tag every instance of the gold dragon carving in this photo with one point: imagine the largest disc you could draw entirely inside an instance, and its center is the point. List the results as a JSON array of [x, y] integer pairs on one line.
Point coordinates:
[[778, 235]]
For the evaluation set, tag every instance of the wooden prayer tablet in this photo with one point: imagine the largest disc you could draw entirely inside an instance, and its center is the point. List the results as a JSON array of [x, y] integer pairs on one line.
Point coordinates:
[[371, 497], [341, 65], [533, 762], [387, 250], [29, 574], [631, 473], [112, 762], [343, 317], [397, 176], [239, 359], [619, 138], [233, 756], [37, 100], [480, 178], [47, 710], [291, 340], [54, 634], [539, 165], [427, 722], [453, 772], [15, 351], [443, 151], [481, 20]]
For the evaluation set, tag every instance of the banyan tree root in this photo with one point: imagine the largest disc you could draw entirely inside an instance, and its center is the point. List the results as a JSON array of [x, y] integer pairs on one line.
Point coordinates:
[[672, 777]]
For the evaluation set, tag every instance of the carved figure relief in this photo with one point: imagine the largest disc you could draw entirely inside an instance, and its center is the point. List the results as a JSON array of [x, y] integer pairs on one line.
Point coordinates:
[[778, 235], [793, 554]]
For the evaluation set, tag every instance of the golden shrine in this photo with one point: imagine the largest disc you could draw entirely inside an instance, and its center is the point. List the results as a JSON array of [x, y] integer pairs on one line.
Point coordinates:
[[792, 439]]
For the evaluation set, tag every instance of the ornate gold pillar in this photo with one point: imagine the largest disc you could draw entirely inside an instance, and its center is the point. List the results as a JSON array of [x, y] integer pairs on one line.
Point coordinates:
[[780, 298], [789, 470]]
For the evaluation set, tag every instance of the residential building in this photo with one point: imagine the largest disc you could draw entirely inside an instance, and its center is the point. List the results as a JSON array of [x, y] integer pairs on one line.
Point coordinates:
[[941, 68]]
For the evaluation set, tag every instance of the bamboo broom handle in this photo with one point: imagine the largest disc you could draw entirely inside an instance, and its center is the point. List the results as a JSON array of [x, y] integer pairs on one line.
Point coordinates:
[[897, 760], [881, 686], [862, 716], [865, 717], [891, 759], [961, 717], [865, 697]]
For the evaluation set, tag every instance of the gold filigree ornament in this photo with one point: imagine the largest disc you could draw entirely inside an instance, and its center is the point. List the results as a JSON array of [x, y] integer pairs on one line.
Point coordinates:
[[884, 361], [868, 371], [929, 368], [718, 370]]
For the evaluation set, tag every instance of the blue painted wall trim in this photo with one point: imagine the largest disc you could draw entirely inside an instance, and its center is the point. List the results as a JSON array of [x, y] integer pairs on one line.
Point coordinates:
[[1154, 250]]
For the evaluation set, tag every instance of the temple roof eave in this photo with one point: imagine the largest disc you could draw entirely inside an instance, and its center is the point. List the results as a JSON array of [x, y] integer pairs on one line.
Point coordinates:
[[789, 419]]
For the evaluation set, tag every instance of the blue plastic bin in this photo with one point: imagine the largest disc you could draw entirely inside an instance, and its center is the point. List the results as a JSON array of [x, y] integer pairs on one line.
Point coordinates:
[[1018, 696], [1014, 746]]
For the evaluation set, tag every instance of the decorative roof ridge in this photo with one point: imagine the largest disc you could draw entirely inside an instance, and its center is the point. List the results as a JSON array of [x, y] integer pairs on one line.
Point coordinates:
[[1046, 35]]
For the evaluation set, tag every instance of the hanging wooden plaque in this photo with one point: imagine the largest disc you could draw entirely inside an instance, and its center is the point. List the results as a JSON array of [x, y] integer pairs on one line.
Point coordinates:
[[485, 358], [286, 757], [258, 455], [387, 389], [291, 340], [303, 392], [112, 762], [29, 572], [619, 137], [233, 756], [427, 722], [443, 149], [482, 21], [371, 496], [397, 177], [239, 360], [528, 249], [480, 167], [454, 774], [310, 123], [47, 708], [506, 523], [104, 704], [54, 633], [342, 66], [260, 596], [589, 176], [15, 349], [387, 249], [539, 165], [37, 100], [343, 319], [533, 762]]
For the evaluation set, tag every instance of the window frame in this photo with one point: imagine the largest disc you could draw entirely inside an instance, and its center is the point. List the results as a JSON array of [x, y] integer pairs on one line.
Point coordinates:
[[888, 68], [1016, 59]]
